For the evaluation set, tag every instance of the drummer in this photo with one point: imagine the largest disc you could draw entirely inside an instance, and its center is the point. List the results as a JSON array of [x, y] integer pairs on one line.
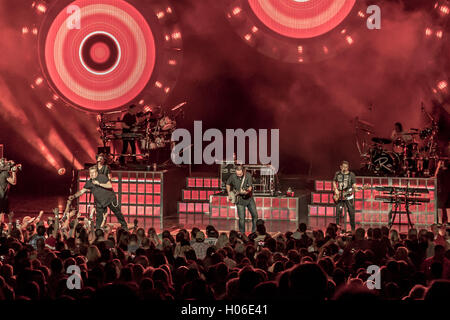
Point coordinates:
[[398, 133]]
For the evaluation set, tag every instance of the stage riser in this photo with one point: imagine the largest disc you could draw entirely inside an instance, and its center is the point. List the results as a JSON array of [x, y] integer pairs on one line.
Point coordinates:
[[371, 211], [268, 208], [141, 194]]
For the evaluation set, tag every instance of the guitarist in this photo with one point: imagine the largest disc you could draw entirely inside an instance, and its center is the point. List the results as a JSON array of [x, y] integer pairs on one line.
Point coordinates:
[[343, 181], [242, 182]]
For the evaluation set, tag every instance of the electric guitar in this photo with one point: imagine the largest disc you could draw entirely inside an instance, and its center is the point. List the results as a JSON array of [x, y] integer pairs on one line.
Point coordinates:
[[235, 195], [347, 194]]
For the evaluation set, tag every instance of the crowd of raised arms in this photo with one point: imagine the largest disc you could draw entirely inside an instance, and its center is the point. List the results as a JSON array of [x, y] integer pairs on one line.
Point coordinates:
[[141, 264]]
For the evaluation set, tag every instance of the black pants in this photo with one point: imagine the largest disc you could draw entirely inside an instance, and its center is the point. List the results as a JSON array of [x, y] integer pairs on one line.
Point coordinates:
[[132, 143], [115, 208], [350, 205], [4, 204], [251, 205]]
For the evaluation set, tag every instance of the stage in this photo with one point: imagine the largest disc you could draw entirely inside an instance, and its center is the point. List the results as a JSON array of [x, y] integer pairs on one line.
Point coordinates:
[[170, 199]]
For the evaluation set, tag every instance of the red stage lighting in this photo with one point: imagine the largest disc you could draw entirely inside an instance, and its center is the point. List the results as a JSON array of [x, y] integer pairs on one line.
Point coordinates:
[[39, 81], [61, 171], [105, 64], [301, 19]]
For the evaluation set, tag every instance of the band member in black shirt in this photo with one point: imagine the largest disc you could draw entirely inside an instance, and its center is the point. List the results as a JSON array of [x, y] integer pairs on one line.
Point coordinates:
[[104, 197], [245, 199], [102, 167], [8, 177], [129, 120], [343, 181]]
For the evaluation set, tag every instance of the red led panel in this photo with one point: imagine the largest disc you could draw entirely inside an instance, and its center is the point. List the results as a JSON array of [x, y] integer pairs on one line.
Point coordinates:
[[275, 202], [330, 211], [224, 212], [258, 201], [319, 185], [292, 203]]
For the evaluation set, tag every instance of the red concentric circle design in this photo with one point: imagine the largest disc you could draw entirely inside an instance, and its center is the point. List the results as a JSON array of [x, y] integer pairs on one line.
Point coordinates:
[[108, 61], [301, 18]]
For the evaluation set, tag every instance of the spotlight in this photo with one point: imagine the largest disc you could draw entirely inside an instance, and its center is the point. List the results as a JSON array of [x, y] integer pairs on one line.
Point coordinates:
[[34, 31], [349, 40], [442, 85], [236, 11], [49, 105], [61, 171], [444, 10], [158, 84], [141, 102], [25, 30], [40, 7], [39, 81]]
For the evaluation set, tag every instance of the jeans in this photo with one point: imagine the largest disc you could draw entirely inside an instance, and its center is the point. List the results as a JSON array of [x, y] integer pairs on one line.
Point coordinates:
[[349, 204], [115, 208], [251, 205]]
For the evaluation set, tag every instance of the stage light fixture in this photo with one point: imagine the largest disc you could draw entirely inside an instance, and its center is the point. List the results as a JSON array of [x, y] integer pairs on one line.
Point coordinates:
[[277, 28], [64, 63]]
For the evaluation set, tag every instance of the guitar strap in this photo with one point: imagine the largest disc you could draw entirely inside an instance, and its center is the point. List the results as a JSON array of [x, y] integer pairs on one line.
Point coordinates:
[[243, 180]]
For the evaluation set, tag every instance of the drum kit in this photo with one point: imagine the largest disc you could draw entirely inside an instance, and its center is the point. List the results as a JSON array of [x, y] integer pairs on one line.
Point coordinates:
[[153, 130], [409, 154]]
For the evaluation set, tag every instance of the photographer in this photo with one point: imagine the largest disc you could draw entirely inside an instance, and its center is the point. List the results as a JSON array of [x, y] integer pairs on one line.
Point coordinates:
[[8, 176]]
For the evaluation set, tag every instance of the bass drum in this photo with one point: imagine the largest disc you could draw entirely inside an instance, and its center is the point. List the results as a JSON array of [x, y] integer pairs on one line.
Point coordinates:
[[386, 163]]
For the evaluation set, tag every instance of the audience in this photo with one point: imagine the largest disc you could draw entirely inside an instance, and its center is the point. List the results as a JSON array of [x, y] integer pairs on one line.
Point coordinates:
[[35, 257]]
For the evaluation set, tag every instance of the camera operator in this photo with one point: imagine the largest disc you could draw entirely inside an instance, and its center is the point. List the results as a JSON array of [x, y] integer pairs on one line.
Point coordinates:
[[8, 177]]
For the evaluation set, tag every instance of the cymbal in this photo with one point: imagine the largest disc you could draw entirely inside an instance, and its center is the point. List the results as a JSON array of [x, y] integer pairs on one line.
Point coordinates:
[[381, 140]]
